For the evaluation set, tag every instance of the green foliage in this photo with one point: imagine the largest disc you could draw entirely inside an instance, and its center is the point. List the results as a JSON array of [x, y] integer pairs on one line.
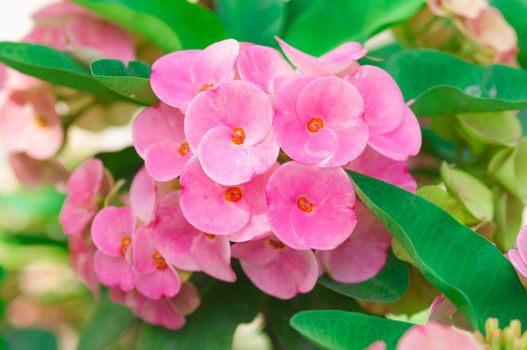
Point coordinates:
[[29, 338], [514, 12], [387, 286], [169, 24], [132, 82], [464, 266], [495, 128], [442, 84]]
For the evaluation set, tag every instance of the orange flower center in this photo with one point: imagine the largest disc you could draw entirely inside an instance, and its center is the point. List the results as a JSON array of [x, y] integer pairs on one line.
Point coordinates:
[[238, 136], [233, 194], [315, 124], [276, 244], [41, 122], [206, 87], [210, 236], [159, 261], [125, 243], [304, 205], [183, 149]]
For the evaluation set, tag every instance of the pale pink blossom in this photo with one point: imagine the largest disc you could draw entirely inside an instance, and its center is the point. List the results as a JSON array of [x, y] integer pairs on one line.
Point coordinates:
[[143, 196], [159, 139], [311, 207], [435, 336], [178, 77], [378, 345], [518, 256], [32, 172], [275, 268], [230, 128], [339, 61], [320, 121], [460, 8]]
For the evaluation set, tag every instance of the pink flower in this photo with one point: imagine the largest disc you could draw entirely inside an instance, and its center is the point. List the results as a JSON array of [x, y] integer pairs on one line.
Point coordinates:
[[179, 76], [275, 268], [518, 256], [167, 312], [28, 123], [87, 187], [143, 196], [112, 232], [339, 61], [265, 67], [81, 255], [159, 139], [378, 345], [32, 172], [311, 207], [187, 248], [155, 278], [224, 210], [461, 8], [320, 121], [230, 128], [435, 336]]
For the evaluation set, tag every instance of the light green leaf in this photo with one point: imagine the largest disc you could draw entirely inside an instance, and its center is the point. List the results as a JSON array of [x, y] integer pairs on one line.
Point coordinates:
[[509, 168], [495, 128], [509, 210], [341, 330], [471, 272], [170, 24], [442, 199], [442, 84], [132, 82], [328, 23], [387, 286]]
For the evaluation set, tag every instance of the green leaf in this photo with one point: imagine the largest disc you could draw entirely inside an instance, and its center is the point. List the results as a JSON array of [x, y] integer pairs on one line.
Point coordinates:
[[509, 168], [514, 12], [509, 210], [468, 269], [442, 84], [29, 338], [495, 128], [341, 330], [51, 65], [132, 82], [387, 286], [107, 323], [224, 307], [254, 21], [329, 23], [170, 24], [442, 199]]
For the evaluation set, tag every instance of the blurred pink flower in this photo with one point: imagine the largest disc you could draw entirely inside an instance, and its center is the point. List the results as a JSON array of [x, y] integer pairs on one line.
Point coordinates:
[[435, 336], [460, 8], [378, 345], [275, 268], [81, 255], [179, 76], [339, 61], [159, 139], [230, 128], [33, 173], [311, 207], [320, 121], [518, 256]]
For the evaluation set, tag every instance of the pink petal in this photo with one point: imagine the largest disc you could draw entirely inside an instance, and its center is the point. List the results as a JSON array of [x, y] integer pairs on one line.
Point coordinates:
[[204, 205], [215, 64], [235, 104], [82, 262], [517, 261], [362, 255], [435, 336], [187, 300], [345, 54], [230, 164], [213, 256], [109, 227], [384, 107], [161, 313], [265, 67], [113, 271], [171, 80], [56, 12], [143, 196], [158, 284], [521, 242], [378, 345], [143, 251], [164, 161], [49, 36], [258, 251], [403, 142]]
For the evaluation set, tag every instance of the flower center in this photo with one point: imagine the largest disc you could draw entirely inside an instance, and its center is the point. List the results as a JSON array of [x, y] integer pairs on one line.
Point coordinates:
[[276, 244], [41, 122], [233, 194], [206, 87], [210, 236], [183, 149], [159, 261], [315, 124], [125, 243], [304, 205], [238, 136]]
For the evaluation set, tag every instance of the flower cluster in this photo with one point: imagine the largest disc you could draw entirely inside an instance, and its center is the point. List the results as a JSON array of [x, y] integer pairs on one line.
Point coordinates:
[[245, 157]]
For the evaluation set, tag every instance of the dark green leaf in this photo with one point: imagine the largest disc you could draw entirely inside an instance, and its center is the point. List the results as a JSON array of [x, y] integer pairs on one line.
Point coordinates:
[[170, 24], [254, 21], [387, 286], [442, 84], [108, 322], [132, 82], [341, 330], [224, 307], [328, 23], [51, 65], [463, 265], [514, 12], [123, 164], [22, 339]]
